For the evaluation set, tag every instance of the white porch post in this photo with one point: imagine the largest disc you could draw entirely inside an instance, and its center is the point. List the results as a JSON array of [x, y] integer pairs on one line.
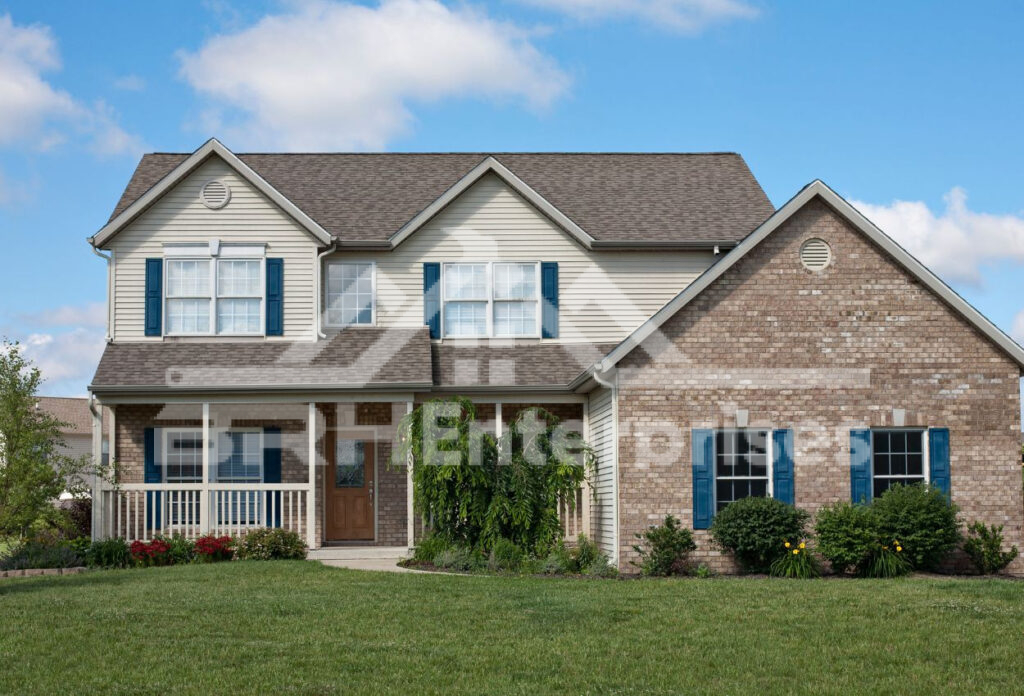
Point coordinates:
[[311, 491], [586, 493], [97, 461], [410, 521], [108, 509], [205, 509]]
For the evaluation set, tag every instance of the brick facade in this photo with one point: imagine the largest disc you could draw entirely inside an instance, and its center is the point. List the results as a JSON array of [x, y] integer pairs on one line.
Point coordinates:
[[821, 353]]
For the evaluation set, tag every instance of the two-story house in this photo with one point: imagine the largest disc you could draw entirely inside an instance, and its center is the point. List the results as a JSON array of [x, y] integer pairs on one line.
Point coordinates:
[[273, 316]]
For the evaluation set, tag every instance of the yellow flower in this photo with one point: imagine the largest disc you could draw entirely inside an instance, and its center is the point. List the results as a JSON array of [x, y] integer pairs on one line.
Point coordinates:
[[796, 551], [899, 548], [787, 544], [803, 545], [885, 548]]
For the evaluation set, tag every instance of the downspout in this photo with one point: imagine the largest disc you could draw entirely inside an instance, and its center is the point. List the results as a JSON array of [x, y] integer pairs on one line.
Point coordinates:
[[319, 289], [110, 300]]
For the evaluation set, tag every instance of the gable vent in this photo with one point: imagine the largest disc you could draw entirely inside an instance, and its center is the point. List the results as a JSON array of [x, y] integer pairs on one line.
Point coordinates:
[[815, 254], [215, 194]]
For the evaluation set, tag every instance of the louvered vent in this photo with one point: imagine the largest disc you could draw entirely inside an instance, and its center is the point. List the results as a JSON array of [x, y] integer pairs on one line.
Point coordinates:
[[815, 254], [215, 194]]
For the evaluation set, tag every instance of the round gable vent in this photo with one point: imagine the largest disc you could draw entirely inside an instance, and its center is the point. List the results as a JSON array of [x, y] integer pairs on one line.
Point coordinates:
[[215, 194], [815, 254]]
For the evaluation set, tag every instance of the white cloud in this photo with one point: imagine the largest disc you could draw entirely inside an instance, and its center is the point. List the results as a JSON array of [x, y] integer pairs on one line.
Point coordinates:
[[67, 360], [130, 83], [35, 114], [686, 16], [954, 244], [340, 76], [93, 314]]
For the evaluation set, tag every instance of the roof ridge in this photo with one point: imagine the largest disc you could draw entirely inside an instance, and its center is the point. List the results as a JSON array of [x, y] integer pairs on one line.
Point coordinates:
[[568, 153]]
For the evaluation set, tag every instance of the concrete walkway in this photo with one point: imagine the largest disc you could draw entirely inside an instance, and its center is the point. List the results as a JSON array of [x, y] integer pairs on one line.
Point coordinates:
[[383, 564], [383, 558]]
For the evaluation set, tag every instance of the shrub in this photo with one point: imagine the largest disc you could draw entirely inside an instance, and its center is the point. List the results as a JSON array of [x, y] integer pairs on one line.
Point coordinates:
[[505, 555], [40, 553], [846, 535], [210, 548], [920, 517], [152, 553], [558, 562], [666, 548], [703, 571], [458, 558], [79, 516], [885, 561], [797, 562], [271, 544], [108, 553], [585, 558], [181, 550], [754, 530], [429, 548], [984, 546]]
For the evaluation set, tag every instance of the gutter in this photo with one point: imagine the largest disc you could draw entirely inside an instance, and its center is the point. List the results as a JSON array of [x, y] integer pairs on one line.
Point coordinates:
[[160, 389], [626, 245], [319, 290], [110, 305]]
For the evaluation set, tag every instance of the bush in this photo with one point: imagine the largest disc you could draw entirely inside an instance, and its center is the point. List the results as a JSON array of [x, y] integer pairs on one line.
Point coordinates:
[[79, 516], [40, 553], [108, 553], [271, 544], [585, 558], [922, 519], [984, 546], [847, 535], [429, 548], [666, 549], [210, 548], [458, 558], [797, 562], [755, 529], [181, 550], [558, 562], [885, 561], [505, 555], [152, 553]]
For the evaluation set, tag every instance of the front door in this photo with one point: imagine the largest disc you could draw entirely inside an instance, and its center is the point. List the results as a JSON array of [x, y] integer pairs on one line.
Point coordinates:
[[350, 491]]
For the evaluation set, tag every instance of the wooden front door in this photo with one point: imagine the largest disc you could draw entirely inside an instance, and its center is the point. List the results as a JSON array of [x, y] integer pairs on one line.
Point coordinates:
[[350, 490]]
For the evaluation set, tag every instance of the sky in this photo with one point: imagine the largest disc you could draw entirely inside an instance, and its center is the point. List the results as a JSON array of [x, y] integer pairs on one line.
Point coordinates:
[[910, 110]]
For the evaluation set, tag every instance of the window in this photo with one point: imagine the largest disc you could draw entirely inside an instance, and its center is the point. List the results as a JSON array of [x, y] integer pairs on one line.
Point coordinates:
[[741, 465], [897, 456], [239, 457], [222, 296], [350, 294], [350, 469], [183, 456], [491, 299]]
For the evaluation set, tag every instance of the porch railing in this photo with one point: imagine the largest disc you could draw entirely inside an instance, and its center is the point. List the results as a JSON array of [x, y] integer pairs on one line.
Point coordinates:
[[144, 510], [574, 514]]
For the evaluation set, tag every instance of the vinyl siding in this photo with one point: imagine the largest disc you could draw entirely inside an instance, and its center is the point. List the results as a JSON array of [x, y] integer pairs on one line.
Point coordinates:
[[603, 296], [179, 217], [602, 438]]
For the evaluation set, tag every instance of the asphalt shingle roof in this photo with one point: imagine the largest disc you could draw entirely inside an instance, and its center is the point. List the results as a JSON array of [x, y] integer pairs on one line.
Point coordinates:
[[614, 197]]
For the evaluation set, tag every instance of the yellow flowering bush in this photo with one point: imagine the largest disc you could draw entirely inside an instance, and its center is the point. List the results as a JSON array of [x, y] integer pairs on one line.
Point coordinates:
[[799, 562]]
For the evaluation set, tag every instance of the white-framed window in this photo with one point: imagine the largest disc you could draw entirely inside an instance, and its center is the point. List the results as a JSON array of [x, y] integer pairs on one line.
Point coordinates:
[[239, 456], [500, 299], [351, 293], [897, 456], [742, 465], [236, 456], [182, 456], [214, 296]]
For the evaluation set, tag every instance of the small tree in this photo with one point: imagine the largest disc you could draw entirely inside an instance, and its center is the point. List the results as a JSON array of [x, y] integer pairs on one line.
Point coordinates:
[[33, 469], [476, 489]]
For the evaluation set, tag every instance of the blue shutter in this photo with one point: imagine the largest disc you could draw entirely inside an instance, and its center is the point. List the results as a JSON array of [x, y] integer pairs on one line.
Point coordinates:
[[154, 296], [432, 298], [272, 471], [151, 474], [703, 478], [860, 466], [549, 293], [782, 466], [938, 458], [275, 297]]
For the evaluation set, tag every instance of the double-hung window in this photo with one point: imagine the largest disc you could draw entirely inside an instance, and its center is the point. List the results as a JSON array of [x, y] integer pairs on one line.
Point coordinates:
[[183, 456], [491, 299], [350, 293], [742, 465], [223, 296], [897, 456]]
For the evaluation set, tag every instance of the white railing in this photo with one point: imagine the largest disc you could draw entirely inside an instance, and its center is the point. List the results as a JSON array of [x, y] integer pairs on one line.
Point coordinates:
[[574, 514], [141, 511]]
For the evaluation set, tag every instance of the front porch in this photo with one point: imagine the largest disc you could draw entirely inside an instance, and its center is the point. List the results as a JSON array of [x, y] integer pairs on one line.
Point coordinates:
[[318, 468]]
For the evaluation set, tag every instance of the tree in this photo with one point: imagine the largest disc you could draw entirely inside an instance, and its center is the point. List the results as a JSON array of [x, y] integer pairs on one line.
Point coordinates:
[[33, 469]]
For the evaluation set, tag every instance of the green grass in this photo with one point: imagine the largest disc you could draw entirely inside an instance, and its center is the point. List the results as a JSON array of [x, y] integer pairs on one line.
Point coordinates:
[[298, 627]]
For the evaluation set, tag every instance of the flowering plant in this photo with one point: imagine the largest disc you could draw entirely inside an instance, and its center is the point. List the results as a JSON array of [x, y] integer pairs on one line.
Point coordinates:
[[886, 561], [153, 553], [212, 548], [796, 562]]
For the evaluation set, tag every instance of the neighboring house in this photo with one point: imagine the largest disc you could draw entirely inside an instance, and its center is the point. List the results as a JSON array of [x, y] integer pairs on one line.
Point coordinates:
[[74, 413], [272, 318]]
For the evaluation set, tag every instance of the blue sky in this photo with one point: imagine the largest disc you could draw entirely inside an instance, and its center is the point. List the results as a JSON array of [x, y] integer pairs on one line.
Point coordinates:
[[911, 110]]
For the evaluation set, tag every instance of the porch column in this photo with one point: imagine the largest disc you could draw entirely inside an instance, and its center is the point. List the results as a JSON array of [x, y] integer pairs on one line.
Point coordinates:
[[311, 491], [108, 509], [587, 493], [410, 522], [204, 492], [97, 461]]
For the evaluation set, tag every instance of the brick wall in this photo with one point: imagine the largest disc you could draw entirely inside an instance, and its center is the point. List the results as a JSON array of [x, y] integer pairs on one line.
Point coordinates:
[[820, 353]]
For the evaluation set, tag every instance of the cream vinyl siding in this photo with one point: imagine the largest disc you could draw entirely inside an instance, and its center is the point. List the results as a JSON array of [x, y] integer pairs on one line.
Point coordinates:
[[602, 438], [603, 295], [180, 218]]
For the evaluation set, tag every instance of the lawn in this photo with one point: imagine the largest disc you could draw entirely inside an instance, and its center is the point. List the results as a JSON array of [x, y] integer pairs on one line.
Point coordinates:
[[298, 627]]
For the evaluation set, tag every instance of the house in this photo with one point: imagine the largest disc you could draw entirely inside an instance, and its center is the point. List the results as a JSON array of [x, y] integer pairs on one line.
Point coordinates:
[[76, 431], [272, 317]]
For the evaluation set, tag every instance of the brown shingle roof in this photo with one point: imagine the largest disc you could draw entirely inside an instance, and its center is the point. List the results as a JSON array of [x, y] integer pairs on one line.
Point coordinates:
[[614, 197], [72, 411], [354, 358], [513, 363]]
